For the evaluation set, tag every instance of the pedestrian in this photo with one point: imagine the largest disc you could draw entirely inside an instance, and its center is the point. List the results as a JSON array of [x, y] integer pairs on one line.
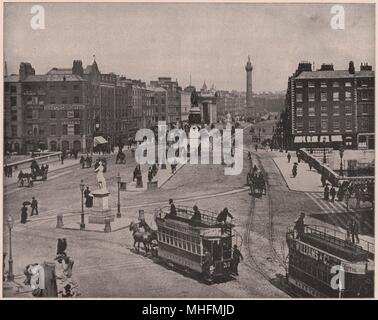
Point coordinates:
[[196, 218], [88, 198], [222, 216], [332, 192], [295, 169], [353, 231], [10, 171], [61, 248], [310, 165], [323, 180], [82, 162], [299, 225], [150, 174], [340, 194], [236, 258], [326, 192], [207, 262], [34, 206], [172, 211], [24, 213], [256, 147], [135, 173], [288, 157]]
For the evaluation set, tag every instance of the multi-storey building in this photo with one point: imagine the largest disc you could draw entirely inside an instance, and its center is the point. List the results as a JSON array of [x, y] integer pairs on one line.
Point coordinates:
[[331, 107]]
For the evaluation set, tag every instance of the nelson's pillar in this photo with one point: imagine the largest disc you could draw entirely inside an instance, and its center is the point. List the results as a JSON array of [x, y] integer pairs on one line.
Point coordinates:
[[250, 108]]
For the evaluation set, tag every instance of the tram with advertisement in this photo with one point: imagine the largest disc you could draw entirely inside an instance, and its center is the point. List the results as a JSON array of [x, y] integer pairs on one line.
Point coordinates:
[[202, 247], [320, 257]]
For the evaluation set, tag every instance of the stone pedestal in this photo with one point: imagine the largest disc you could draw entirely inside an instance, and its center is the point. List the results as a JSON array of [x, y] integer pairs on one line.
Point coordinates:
[[100, 210]]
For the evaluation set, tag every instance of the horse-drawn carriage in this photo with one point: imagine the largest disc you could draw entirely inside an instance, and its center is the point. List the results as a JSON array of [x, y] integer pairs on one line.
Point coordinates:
[[86, 162], [256, 182], [38, 172]]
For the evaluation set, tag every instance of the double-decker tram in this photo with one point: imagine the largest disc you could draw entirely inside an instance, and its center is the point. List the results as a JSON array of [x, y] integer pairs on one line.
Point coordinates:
[[323, 263], [202, 246]]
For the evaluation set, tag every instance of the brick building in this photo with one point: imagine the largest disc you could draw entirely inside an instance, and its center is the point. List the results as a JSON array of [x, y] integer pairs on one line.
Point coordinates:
[[331, 107]]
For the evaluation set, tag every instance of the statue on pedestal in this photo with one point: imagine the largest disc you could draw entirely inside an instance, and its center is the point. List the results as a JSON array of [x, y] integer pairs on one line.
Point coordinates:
[[100, 177]]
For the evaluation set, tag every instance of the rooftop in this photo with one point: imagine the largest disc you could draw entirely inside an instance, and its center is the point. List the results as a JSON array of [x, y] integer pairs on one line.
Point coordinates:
[[335, 74]]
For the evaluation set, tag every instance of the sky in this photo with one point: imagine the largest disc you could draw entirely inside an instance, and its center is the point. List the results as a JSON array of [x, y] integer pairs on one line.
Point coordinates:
[[207, 42]]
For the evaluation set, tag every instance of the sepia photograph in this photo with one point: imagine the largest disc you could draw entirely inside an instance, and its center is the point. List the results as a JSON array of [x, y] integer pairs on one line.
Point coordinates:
[[188, 150]]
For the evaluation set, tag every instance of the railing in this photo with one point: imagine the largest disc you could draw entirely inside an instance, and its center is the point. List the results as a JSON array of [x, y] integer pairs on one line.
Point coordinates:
[[44, 157], [336, 237], [207, 217]]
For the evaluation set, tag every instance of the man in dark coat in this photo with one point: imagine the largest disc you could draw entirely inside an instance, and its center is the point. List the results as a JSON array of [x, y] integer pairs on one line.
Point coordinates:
[[150, 174], [288, 157], [222, 216], [88, 198], [332, 192], [196, 218], [300, 225], [34, 206], [172, 211], [61, 247], [24, 213], [236, 258], [326, 192]]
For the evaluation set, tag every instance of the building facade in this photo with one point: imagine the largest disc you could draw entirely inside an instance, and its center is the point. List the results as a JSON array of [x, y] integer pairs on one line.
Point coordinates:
[[331, 107]]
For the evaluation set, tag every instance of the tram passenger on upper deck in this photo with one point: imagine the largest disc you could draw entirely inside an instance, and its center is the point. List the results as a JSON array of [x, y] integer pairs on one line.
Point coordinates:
[[222, 218], [172, 211], [196, 218], [300, 225]]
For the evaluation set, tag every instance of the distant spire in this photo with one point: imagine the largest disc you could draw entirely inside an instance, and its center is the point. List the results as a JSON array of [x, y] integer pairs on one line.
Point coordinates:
[[94, 58], [190, 80]]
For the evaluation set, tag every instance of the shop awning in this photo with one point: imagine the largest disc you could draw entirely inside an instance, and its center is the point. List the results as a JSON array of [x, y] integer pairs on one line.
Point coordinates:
[[314, 139], [337, 138], [99, 140], [298, 139], [324, 138]]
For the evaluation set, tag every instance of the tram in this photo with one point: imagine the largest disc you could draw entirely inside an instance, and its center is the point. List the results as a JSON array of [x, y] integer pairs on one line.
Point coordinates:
[[319, 254], [204, 247]]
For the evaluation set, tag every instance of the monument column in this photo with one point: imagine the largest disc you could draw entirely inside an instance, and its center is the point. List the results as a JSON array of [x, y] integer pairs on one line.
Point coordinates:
[[250, 108]]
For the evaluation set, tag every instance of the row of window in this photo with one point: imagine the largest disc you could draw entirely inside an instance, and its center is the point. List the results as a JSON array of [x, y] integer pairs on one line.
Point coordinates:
[[324, 96], [323, 84], [66, 129], [324, 110], [324, 124], [63, 86], [35, 114], [180, 240]]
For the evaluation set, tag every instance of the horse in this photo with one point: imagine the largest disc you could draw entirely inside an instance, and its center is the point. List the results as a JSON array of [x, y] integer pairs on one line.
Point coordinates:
[[140, 236], [121, 157]]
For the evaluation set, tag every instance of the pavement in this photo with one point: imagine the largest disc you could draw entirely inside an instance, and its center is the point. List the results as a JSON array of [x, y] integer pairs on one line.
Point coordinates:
[[306, 180]]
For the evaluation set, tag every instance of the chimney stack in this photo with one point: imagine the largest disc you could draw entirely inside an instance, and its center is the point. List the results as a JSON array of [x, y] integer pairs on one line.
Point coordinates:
[[366, 67], [351, 67], [26, 70]]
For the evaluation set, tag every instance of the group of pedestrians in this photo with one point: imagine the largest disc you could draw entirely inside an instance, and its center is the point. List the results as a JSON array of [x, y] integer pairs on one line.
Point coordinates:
[[8, 171], [24, 210]]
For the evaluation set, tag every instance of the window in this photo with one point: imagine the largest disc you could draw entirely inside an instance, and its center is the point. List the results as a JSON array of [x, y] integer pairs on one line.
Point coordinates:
[[323, 96], [336, 110], [52, 114], [335, 84], [14, 131], [77, 129], [348, 124], [365, 109], [364, 95], [52, 100], [348, 84], [348, 96], [336, 96], [311, 84], [76, 87], [76, 99], [323, 84], [64, 100], [311, 111], [348, 110], [29, 114], [14, 115], [35, 114], [364, 124], [298, 85], [324, 125], [76, 114], [336, 125], [299, 112], [64, 130], [53, 130], [13, 89], [64, 87], [52, 86], [311, 96], [323, 110], [13, 101], [299, 123], [299, 97], [311, 125]]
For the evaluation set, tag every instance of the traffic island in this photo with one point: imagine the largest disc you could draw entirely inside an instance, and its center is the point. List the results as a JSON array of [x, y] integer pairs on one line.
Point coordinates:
[[100, 211]]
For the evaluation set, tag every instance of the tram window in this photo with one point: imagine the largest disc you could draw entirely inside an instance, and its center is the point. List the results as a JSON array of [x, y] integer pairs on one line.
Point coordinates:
[[184, 244], [163, 237], [198, 249]]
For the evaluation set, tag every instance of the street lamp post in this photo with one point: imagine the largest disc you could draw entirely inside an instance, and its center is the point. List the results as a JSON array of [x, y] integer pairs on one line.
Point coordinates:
[[82, 224], [324, 151], [10, 260], [119, 201], [341, 151]]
